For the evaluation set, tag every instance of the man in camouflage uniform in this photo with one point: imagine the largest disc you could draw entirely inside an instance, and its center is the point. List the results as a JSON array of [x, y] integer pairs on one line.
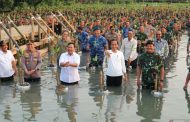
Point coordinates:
[[112, 35], [141, 38], [97, 45], [148, 64]]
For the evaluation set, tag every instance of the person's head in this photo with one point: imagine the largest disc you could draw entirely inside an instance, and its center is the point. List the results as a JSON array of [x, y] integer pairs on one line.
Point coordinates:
[[79, 29], [158, 35], [65, 35], [82, 23], [112, 29], [30, 46], [114, 45], [150, 46], [70, 48], [127, 24], [163, 30], [130, 34], [98, 22], [141, 29], [3, 46], [97, 31]]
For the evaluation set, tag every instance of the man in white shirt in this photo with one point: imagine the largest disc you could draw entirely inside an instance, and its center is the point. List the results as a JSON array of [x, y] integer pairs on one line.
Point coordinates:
[[69, 63], [115, 65], [129, 49], [161, 46], [7, 63]]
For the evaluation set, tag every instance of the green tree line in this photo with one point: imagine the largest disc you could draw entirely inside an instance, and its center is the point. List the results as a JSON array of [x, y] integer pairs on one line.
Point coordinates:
[[9, 5]]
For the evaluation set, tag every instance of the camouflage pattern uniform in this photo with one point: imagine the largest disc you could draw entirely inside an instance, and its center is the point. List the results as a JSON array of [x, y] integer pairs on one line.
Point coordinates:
[[97, 46], [83, 39], [141, 37], [149, 62]]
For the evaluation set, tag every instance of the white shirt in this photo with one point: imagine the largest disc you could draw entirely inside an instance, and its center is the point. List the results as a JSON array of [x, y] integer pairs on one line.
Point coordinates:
[[6, 69], [69, 74], [129, 49], [115, 63]]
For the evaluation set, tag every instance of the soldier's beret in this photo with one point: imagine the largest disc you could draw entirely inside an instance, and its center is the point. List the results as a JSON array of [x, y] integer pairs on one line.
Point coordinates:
[[149, 42]]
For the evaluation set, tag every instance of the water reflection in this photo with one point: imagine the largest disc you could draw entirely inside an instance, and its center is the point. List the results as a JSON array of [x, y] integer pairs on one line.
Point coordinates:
[[115, 102], [187, 97], [6, 98], [31, 102], [69, 101], [148, 106]]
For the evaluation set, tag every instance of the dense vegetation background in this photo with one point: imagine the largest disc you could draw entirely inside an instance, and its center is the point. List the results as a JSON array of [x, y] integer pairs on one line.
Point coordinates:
[[9, 5]]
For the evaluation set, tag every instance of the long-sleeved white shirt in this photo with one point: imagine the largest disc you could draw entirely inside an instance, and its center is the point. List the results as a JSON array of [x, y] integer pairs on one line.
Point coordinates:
[[6, 64], [69, 74], [129, 49], [114, 64]]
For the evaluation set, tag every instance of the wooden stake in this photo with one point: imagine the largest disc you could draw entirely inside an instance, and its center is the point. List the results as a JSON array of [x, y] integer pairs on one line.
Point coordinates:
[[73, 29], [12, 24]]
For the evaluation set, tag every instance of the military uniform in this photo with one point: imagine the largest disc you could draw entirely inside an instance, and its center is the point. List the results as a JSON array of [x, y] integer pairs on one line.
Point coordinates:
[[97, 46], [111, 36], [83, 39], [141, 37], [149, 63]]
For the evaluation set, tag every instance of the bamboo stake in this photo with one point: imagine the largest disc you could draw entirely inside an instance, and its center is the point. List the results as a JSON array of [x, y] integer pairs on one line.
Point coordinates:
[[10, 32], [12, 23], [58, 20], [73, 29], [47, 26], [32, 27]]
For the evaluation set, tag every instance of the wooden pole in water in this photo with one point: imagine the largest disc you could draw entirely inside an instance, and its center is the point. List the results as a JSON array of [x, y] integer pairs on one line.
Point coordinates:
[[73, 29], [39, 33], [10, 32], [32, 27], [12, 23]]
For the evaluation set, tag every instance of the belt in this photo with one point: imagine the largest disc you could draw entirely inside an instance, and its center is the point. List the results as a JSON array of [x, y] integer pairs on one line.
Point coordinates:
[[65, 83]]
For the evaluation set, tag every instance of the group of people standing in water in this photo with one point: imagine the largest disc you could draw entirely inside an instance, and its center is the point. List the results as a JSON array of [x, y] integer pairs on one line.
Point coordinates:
[[116, 44]]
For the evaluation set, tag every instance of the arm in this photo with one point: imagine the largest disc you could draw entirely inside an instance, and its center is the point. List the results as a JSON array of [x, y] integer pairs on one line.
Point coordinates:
[[39, 62], [166, 52], [14, 66], [123, 66], [139, 71], [76, 63]]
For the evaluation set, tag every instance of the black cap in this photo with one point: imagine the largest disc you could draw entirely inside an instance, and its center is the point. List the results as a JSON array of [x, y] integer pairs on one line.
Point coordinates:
[[96, 28], [2, 42], [149, 42]]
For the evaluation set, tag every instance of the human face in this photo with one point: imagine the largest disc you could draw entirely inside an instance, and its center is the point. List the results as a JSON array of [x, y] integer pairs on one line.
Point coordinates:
[[141, 29], [158, 35], [70, 49], [130, 34], [4, 47], [65, 35], [30, 46], [114, 45], [150, 48], [97, 33]]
